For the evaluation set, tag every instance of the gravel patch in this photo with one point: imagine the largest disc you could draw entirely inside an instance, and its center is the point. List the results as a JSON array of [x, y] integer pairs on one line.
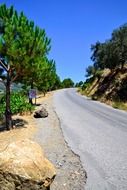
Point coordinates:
[[70, 173]]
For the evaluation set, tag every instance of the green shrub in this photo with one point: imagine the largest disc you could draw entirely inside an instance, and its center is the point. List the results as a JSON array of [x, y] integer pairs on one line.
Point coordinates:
[[19, 104], [98, 73], [2, 111], [119, 105], [86, 85]]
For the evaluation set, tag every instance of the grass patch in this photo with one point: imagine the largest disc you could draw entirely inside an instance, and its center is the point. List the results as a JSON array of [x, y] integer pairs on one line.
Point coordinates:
[[82, 92], [119, 105]]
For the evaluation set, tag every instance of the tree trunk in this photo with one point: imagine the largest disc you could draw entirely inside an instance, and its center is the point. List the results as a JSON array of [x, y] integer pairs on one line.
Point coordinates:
[[30, 101], [122, 65], [8, 114], [44, 92]]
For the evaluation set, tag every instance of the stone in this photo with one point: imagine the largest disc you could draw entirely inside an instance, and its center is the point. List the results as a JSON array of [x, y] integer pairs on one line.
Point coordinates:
[[24, 166], [42, 113]]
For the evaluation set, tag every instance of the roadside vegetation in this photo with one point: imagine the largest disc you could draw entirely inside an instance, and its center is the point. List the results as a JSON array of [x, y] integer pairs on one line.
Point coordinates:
[[23, 55], [67, 83], [18, 103], [107, 77], [24, 50]]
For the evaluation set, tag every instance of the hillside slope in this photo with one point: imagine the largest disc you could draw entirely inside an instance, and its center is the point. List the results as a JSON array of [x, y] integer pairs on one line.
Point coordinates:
[[111, 87]]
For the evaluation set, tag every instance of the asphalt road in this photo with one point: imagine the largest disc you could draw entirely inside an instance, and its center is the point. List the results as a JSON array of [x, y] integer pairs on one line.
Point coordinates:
[[98, 134]]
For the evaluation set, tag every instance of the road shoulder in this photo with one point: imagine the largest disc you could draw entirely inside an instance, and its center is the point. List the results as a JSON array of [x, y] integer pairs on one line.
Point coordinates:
[[70, 173]]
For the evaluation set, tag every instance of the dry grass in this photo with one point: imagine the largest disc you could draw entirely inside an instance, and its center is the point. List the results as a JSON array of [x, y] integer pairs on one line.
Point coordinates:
[[120, 105]]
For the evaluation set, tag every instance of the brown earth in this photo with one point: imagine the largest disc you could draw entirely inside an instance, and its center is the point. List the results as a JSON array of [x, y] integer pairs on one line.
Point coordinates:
[[110, 88]]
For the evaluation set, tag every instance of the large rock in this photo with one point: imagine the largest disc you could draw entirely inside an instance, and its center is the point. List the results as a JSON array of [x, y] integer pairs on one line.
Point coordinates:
[[23, 166], [42, 113]]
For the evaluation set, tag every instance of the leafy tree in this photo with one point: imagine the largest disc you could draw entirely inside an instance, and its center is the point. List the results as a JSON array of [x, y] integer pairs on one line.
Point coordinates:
[[112, 53], [67, 83], [21, 47], [46, 75], [79, 84], [57, 83], [119, 37], [90, 71]]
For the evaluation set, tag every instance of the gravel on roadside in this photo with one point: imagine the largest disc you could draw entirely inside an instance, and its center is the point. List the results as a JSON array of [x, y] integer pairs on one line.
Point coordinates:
[[70, 173]]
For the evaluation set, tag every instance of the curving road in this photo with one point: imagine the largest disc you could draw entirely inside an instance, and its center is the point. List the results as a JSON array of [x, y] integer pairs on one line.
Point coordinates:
[[98, 134]]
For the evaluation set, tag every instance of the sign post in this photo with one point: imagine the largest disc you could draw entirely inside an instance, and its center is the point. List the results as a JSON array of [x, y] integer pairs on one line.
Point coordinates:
[[32, 94]]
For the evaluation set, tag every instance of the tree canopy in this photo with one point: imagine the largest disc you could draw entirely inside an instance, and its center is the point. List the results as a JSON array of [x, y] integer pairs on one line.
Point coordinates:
[[22, 44], [24, 47], [24, 50], [110, 54], [67, 83]]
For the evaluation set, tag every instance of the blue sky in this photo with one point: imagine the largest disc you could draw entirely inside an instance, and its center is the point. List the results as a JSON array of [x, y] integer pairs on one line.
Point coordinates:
[[73, 25]]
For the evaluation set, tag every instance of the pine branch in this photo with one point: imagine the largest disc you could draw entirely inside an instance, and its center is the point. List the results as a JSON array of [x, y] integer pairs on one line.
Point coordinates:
[[13, 79]]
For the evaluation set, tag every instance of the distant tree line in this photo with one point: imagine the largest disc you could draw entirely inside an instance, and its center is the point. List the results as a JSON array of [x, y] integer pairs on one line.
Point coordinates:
[[67, 83]]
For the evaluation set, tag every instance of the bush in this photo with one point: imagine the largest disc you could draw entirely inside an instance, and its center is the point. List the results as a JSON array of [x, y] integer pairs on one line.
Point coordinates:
[[19, 104], [119, 105], [98, 73]]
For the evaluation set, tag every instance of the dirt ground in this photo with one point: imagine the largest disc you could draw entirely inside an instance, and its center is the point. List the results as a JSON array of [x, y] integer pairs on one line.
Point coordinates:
[[21, 132], [18, 133], [47, 132]]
